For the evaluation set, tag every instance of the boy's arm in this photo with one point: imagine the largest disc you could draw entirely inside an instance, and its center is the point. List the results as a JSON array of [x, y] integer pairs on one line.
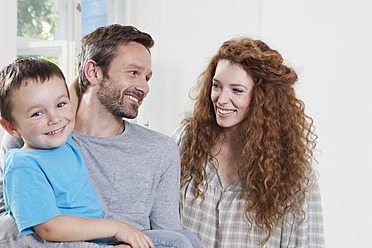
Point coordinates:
[[70, 228], [10, 237]]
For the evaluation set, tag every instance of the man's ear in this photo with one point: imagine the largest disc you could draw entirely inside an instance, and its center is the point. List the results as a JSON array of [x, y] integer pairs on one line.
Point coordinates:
[[10, 128], [93, 72]]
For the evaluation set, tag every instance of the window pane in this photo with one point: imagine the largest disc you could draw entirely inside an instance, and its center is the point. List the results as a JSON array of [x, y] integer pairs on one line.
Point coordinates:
[[41, 19], [98, 13], [52, 59], [94, 14]]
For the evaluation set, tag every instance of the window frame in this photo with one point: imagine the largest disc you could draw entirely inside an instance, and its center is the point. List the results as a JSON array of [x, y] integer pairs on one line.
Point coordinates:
[[66, 50]]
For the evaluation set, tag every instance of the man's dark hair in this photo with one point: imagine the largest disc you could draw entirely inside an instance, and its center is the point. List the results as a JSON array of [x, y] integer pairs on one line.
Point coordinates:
[[101, 46]]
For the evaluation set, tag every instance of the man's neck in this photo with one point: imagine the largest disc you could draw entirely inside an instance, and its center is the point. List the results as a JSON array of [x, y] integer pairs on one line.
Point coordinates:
[[95, 120]]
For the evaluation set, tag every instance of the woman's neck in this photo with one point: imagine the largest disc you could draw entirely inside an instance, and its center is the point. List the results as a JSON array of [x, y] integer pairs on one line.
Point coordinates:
[[227, 152], [229, 136]]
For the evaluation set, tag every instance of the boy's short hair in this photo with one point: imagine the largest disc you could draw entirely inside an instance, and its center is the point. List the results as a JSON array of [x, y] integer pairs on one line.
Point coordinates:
[[13, 75]]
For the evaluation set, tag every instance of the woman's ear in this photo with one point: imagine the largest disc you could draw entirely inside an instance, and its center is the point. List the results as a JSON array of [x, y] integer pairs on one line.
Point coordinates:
[[10, 128], [93, 72]]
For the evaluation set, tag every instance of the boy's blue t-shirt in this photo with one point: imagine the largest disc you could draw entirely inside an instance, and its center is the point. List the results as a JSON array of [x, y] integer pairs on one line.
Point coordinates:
[[42, 184]]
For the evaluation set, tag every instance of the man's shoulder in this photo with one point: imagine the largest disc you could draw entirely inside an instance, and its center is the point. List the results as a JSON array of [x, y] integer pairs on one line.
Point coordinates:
[[147, 133], [8, 142]]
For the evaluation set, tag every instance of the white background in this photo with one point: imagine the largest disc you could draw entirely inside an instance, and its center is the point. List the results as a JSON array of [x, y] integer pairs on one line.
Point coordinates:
[[329, 43]]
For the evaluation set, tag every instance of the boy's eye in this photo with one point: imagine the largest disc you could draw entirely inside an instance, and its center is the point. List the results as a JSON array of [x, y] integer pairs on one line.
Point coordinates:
[[36, 114], [61, 104]]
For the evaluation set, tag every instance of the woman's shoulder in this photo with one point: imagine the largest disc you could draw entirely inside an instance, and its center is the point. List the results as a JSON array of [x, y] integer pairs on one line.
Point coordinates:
[[180, 131]]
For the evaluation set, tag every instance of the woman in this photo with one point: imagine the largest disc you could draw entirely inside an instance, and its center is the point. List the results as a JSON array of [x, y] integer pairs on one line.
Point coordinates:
[[247, 154]]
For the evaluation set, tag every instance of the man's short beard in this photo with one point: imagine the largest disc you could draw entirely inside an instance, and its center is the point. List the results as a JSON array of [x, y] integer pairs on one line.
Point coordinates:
[[115, 101]]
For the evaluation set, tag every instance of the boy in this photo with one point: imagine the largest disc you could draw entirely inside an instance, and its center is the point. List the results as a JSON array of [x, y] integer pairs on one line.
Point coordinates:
[[46, 184]]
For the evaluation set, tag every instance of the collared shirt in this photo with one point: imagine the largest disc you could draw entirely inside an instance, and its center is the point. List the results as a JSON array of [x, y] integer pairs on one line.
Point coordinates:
[[220, 221]]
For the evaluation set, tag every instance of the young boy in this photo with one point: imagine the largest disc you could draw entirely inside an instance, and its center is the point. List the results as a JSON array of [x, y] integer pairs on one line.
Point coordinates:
[[47, 187]]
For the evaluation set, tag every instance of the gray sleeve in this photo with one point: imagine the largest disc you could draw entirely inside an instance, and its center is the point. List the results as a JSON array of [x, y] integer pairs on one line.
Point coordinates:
[[165, 213], [8, 142], [9, 234]]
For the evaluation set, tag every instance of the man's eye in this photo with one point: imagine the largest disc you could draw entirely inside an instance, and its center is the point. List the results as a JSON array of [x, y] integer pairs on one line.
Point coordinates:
[[133, 72]]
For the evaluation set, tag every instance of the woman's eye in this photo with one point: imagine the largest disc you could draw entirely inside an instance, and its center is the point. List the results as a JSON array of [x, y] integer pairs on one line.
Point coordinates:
[[237, 90], [214, 85]]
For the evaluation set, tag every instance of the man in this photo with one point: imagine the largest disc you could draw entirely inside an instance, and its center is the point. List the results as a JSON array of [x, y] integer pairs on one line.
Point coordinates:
[[136, 180]]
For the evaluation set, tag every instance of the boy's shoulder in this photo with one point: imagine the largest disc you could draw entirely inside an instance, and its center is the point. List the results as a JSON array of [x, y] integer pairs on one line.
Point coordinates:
[[19, 157], [18, 152]]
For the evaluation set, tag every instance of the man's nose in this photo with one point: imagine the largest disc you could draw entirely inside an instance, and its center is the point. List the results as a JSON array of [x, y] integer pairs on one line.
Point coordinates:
[[142, 85]]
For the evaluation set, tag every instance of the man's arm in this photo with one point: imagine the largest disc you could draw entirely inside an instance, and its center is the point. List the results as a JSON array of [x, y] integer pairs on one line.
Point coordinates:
[[165, 211]]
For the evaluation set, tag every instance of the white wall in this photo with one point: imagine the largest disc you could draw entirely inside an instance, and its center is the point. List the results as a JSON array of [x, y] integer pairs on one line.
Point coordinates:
[[331, 42], [328, 42], [8, 27], [330, 45], [186, 35]]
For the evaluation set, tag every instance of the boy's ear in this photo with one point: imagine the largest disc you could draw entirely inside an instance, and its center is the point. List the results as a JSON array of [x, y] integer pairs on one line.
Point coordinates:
[[93, 72], [10, 128]]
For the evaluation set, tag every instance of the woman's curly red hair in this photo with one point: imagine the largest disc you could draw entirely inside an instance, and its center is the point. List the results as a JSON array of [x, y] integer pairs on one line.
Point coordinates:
[[277, 137]]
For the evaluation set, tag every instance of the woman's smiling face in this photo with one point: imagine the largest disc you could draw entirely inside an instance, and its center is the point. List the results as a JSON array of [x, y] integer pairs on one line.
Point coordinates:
[[231, 93]]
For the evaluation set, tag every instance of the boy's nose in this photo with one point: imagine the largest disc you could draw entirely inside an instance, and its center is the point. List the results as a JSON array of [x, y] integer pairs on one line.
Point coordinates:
[[53, 118]]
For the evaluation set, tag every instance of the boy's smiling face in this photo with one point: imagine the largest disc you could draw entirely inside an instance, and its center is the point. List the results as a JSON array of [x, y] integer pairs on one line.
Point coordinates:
[[42, 113]]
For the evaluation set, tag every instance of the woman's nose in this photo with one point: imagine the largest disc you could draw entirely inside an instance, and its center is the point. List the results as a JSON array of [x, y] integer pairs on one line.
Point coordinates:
[[224, 97]]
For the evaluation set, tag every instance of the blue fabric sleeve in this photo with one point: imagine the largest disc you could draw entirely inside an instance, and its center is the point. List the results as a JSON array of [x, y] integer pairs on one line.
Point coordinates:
[[23, 183]]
